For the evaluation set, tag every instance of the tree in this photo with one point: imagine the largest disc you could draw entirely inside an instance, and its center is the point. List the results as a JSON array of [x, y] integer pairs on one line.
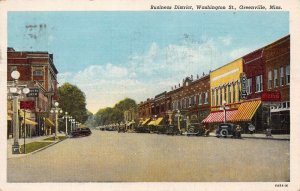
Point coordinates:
[[110, 115], [72, 100]]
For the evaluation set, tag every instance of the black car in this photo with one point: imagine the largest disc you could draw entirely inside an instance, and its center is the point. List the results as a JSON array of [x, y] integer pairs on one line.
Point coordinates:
[[173, 130], [228, 130], [122, 128], [79, 132], [161, 129], [195, 129], [142, 129]]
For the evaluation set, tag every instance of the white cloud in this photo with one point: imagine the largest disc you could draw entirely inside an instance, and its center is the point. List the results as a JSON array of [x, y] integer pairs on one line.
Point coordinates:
[[150, 73], [226, 40], [237, 53]]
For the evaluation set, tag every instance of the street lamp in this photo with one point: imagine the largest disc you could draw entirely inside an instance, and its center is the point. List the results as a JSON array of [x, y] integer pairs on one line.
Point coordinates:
[[56, 110], [224, 107], [72, 120], [178, 118], [15, 91], [66, 116]]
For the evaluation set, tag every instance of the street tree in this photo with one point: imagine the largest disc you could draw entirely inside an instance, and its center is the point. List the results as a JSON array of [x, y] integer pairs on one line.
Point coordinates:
[[72, 100]]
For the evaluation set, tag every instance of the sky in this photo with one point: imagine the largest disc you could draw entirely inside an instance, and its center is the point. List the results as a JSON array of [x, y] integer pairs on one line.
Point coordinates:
[[111, 55]]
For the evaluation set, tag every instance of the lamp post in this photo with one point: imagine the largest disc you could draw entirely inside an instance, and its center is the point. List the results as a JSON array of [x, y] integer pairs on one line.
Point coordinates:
[[178, 119], [56, 110], [224, 107], [16, 90], [66, 117]]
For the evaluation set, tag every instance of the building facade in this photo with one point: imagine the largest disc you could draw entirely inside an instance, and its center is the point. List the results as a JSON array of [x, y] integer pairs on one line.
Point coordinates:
[[39, 74]]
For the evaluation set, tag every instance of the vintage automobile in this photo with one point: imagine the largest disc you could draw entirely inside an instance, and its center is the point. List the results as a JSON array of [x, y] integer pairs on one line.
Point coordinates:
[[80, 132], [122, 128], [195, 129], [142, 129], [228, 130], [161, 129], [172, 130]]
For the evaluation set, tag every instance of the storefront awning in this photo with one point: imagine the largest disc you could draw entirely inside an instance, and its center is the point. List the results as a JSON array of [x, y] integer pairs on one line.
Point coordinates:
[[146, 121], [30, 122], [158, 120], [218, 116], [246, 110], [49, 122], [151, 122]]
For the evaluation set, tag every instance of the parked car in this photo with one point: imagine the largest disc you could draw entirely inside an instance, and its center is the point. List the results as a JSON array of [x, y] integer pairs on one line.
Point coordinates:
[[79, 132], [228, 130], [161, 129], [122, 128], [173, 130], [195, 129], [142, 129]]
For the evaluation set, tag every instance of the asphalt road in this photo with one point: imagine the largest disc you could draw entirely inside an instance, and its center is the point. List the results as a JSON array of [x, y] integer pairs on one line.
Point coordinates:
[[131, 157]]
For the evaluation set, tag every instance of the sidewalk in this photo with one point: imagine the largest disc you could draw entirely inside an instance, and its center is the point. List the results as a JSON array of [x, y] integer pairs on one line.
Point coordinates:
[[27, 140], [262, 136]]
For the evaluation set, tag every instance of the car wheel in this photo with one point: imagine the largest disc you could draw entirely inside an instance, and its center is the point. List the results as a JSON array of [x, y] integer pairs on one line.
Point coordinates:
[[224, 133]]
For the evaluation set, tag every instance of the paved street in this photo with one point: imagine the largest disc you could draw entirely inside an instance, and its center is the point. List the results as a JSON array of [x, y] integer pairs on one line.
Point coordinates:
[[112, 156]]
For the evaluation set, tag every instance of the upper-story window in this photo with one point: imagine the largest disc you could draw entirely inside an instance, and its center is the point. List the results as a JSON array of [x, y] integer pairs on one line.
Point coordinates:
[[275, 78], [195, 100], [281, 82], [206, 97], [229, 93], [249, 86], [221, 96], [190, 101], [270, 79], [225, 93], [200, 98], [38, 72], [259, 83], [233, 93], [212, 96], [217, 96], [287, 74]]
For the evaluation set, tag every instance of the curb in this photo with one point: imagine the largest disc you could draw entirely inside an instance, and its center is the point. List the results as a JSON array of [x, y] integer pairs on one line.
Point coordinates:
[[38, 150]]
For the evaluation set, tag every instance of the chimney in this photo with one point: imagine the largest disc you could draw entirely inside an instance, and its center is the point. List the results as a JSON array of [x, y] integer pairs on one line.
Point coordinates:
[[175, 86], [203, 74], [197, 76], [191, 77], [179, 85]]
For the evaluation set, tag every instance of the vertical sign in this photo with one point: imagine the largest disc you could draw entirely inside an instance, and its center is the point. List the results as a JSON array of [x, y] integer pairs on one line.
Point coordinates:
[[244, 84]]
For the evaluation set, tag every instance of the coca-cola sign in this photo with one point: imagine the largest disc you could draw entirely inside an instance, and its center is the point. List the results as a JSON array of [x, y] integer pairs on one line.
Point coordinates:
[[271, 96], [27, 105]]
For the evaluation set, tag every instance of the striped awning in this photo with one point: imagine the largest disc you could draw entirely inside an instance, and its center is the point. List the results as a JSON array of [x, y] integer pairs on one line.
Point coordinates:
[[146, 121], [158, 120], [151, 122], [218, 116], [247, 110], [49, 122], [29, 122]]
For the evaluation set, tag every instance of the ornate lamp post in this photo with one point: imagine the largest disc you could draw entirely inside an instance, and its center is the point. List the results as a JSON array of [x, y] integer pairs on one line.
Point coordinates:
[[66, 116], [224, 107], [16, 90], [56, 110]]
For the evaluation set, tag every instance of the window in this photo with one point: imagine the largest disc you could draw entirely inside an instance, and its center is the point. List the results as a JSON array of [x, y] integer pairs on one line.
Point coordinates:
[[190, 101], [206, 97], [200, 99], [184, 103], [225, 94], [288, 104], [195, 100], [270, 79], [258, 83], [217, 96], [249, 86], [38, 72], [287, 74], [281, 82], [221, 96], [229, 94], [275, 78], [213, 97], [239, 91], [233, 93]]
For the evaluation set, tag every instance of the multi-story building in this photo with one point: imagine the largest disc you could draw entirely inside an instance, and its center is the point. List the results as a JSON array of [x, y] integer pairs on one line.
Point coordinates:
[[276, 58], [37, 71]]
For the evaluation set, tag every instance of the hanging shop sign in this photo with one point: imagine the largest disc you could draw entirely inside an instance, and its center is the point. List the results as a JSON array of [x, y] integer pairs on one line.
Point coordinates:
[[243, 79], [34, 92], [27, 105]]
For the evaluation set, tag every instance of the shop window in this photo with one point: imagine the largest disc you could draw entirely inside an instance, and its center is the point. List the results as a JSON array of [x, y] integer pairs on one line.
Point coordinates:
[[288, 104], [287, 74], [275, 78], [270, 79], [258, 83], [284, 104], [249, 86], [281, 76]]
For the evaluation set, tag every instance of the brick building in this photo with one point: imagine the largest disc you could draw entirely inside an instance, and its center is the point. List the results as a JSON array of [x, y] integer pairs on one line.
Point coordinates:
[[37, 71]]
